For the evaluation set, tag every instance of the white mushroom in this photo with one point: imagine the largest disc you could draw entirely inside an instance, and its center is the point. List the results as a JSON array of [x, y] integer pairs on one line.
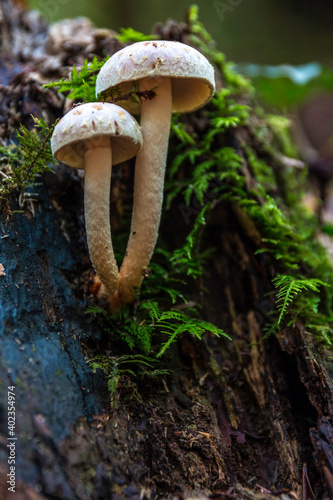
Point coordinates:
[[184, 81], [96, 136]]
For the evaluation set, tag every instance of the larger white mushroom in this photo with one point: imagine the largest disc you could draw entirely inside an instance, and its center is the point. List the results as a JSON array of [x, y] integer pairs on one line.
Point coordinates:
[[95, 136], [183, 80]]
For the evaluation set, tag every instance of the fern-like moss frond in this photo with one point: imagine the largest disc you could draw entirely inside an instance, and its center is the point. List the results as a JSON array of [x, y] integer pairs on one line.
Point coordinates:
[[289, 287]]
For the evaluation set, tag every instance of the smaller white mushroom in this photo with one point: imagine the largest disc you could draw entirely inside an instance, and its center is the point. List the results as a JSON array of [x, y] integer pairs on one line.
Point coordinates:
[[95, 136]]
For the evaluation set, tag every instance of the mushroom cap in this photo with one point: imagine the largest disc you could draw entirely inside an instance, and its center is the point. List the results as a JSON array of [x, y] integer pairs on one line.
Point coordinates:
[[86, 126], [192, 76]]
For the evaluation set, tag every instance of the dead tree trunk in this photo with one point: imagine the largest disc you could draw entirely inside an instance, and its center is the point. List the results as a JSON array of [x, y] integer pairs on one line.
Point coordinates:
[[246, 419]]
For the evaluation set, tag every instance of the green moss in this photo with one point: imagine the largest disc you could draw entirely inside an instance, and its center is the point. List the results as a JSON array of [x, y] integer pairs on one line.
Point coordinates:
[[151, 331], [81, 84], [273, 204], [129, 35], [23, 162]]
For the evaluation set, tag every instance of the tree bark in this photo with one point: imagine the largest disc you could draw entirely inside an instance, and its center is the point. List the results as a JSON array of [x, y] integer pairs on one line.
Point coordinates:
[[249, 418]]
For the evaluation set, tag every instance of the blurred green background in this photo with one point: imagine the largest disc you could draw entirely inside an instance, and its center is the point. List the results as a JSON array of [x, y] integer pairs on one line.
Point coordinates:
[[288, 43], [257, 31]]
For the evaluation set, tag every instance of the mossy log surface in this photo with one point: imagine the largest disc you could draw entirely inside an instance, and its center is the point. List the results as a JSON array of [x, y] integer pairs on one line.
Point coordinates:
[[241, 419]]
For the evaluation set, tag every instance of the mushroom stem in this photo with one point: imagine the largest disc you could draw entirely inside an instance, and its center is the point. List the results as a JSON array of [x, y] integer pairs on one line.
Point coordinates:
[[148, 186], [97, 181]]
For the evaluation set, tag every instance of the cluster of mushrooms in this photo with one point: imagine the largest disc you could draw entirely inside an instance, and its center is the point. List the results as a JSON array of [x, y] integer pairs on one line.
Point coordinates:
[[97, 135]]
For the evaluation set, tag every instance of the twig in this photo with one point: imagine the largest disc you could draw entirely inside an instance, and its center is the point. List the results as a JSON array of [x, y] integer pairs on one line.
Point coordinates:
[[307, 490]]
